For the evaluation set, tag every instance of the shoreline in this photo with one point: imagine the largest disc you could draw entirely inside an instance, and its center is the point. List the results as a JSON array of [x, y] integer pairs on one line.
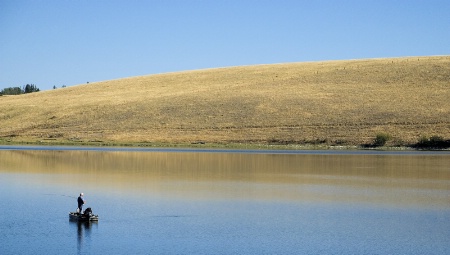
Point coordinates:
[[217, 148]]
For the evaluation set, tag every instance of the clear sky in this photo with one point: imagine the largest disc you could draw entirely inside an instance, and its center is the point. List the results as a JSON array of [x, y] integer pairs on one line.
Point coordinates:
[[68, 42]]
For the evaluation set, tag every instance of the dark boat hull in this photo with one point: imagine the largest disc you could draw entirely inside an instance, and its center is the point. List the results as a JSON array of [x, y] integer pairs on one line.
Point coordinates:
[[74, 216]]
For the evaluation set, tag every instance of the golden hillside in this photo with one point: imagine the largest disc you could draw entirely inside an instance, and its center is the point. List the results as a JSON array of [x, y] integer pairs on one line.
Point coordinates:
[[333, 102]]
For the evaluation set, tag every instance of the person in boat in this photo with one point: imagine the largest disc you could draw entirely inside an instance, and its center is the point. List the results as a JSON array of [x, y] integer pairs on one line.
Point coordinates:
[[81, 202]]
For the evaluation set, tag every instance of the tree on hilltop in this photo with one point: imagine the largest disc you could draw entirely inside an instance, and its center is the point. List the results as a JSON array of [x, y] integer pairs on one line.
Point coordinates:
[[29, 88], [11, 91]]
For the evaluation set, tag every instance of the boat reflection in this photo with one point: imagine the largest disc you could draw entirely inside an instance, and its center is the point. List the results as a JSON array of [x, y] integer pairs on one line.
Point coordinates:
[[83, 232]]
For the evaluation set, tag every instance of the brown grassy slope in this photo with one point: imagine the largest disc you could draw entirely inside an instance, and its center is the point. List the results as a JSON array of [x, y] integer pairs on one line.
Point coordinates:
[[338, 101]]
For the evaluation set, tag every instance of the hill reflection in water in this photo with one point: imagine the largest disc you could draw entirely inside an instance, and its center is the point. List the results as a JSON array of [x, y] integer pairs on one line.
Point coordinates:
[[419, 180]]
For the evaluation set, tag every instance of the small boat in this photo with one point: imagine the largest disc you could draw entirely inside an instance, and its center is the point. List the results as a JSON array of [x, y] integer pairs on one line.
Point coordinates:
[[87, 215]]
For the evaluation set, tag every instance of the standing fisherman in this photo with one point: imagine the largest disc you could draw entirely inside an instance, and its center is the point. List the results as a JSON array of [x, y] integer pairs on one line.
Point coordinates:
[[81, 202]]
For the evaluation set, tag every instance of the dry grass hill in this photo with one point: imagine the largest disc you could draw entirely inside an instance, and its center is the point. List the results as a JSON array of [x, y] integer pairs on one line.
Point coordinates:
[[332, 103]]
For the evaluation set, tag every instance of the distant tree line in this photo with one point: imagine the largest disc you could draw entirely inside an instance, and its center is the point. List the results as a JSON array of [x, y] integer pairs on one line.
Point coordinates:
[[29, 88]]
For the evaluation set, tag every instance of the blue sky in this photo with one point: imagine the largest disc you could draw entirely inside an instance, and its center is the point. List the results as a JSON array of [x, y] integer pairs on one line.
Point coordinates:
[[53, 43]]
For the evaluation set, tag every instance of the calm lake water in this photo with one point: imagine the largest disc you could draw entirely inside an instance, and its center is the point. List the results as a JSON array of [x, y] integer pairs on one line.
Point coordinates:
[[224, 202]]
